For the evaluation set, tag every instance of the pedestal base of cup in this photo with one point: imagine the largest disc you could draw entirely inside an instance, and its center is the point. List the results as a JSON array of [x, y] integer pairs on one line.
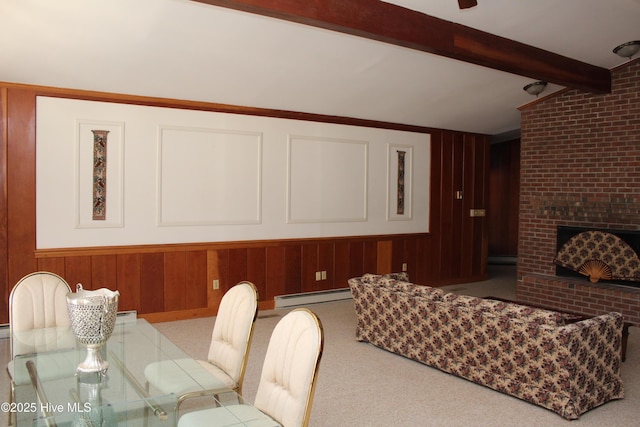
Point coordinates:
[[93, 362]]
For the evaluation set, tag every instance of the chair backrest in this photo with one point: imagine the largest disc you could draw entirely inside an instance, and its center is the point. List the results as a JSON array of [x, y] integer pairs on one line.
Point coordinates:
[[289, 373], [38, 300], [233, 331]]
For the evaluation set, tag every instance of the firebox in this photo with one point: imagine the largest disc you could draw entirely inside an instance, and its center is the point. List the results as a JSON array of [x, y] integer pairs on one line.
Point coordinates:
[[599, 255]]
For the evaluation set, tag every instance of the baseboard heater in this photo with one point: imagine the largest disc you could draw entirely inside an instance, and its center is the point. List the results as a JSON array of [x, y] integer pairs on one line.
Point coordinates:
[[312, 297]]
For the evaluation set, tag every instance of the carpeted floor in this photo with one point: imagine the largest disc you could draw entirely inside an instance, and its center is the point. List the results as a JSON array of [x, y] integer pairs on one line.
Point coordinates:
[[361, 385]]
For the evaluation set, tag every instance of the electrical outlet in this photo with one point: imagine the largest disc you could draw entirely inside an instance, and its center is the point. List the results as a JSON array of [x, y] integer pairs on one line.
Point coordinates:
[[216, 284], [318, 276], [404, 266], [324, 275]]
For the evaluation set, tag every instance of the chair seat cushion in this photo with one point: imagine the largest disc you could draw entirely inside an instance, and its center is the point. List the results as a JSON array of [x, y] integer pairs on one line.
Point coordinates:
[[42, 340], [226, 416], [169, 376], [50, 366]]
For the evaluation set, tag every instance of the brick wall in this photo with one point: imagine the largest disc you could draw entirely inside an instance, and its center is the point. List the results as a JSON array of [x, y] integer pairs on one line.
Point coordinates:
[[580, 166]]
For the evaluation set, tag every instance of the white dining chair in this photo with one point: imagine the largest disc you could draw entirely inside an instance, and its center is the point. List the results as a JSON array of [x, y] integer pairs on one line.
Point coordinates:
[[228, 351], [38, 320], [287, 382]]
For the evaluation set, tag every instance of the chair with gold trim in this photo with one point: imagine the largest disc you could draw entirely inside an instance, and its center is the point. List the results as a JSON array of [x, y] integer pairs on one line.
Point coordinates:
[[287, 382], [38, 321], [228, 351]]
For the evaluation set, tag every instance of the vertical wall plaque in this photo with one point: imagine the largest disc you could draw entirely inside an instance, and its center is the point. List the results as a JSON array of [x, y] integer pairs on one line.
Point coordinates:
[[399, 182], [100, 174], [400, 195]]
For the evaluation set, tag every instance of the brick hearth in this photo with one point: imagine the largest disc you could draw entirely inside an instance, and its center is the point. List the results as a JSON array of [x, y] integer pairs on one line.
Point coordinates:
[[580, 166], [580, 296]]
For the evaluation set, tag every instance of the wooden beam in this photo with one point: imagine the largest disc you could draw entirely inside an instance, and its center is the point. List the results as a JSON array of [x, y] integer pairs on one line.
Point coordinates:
[[396, 25]]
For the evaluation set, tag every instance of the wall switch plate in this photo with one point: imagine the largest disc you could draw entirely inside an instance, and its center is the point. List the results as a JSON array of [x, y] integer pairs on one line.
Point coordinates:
[[318, 276], [216, 284], [478, 212], [404, 266], [324, 275]]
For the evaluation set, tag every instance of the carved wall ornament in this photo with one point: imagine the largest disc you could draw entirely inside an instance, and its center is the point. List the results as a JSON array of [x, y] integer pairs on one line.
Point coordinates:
[[100, 174]]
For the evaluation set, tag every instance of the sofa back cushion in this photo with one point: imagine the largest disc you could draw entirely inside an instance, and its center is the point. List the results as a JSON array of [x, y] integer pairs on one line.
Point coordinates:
[[398, 282], [384, 278], [507, 309]]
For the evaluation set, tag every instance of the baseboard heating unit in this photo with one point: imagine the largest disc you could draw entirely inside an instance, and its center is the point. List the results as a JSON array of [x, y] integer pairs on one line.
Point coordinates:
[[312, 297]]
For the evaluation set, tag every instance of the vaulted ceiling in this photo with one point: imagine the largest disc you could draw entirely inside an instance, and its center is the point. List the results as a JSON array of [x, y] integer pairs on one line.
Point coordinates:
[[414, 62]]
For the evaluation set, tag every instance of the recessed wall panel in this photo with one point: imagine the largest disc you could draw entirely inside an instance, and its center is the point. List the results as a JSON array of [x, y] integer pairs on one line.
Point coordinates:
[[327, 180], [208, 176]]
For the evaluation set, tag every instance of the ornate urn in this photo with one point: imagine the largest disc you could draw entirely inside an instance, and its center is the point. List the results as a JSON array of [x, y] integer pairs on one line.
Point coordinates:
[[93, 316]]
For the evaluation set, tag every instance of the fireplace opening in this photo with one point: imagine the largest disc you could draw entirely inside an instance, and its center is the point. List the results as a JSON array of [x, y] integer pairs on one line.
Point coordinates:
[[598, 255]]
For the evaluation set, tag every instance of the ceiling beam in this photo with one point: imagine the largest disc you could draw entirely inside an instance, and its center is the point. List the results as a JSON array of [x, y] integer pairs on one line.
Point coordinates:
[[396, 25]]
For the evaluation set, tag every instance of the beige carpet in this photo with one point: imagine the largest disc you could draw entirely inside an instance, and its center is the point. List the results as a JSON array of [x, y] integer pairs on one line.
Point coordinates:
[[361, 385]]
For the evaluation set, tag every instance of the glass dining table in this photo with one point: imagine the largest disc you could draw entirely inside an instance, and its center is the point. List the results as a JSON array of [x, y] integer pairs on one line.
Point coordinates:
[[50, 392]]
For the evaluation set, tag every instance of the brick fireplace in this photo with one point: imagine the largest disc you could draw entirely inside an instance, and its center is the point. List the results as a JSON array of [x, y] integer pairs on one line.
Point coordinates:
[[580, 167]]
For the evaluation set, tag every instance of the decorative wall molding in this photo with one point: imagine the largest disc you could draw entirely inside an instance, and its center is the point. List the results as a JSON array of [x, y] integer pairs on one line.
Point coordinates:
[[200, 246], [208, 177], [194, 176], [327, 180]]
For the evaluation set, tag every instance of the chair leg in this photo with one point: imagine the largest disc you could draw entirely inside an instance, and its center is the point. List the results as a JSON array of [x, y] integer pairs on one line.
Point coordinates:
[[11, 414], [145, 411]]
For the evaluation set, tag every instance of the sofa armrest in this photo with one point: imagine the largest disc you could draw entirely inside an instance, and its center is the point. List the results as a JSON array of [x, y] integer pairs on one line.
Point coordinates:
[[384, 308], [597, 340], [594, 359]]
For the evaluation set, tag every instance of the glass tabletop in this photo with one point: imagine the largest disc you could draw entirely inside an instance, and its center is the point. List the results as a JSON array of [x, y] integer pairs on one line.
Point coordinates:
[[50, 392]]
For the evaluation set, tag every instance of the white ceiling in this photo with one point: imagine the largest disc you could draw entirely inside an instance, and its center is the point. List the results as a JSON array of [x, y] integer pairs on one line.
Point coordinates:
[[187, 50]]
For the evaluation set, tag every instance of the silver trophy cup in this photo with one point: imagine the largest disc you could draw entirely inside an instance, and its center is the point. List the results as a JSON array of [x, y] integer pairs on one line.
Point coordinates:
[[93, 316]]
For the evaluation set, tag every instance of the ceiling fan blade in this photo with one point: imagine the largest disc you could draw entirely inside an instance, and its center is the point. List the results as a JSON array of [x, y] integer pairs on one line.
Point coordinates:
[[466, 4]]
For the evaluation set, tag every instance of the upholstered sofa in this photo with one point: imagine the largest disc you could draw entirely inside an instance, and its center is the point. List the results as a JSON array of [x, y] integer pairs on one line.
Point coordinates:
[[522, 351]]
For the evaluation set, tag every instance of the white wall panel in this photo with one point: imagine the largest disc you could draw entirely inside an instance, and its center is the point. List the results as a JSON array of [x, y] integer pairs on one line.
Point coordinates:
[[195, 176], [327, 180], [208, 177]]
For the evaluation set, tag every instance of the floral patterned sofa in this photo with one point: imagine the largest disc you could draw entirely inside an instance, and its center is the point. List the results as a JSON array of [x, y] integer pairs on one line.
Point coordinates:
[[525, 352]]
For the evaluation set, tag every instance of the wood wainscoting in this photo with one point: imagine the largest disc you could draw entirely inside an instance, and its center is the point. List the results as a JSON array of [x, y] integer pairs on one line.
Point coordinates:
[[167, 282]]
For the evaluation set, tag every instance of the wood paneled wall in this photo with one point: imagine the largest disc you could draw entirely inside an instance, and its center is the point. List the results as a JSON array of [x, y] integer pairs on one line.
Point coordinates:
[[167, 282], [171, 278], [460, 174], [504, 199]]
